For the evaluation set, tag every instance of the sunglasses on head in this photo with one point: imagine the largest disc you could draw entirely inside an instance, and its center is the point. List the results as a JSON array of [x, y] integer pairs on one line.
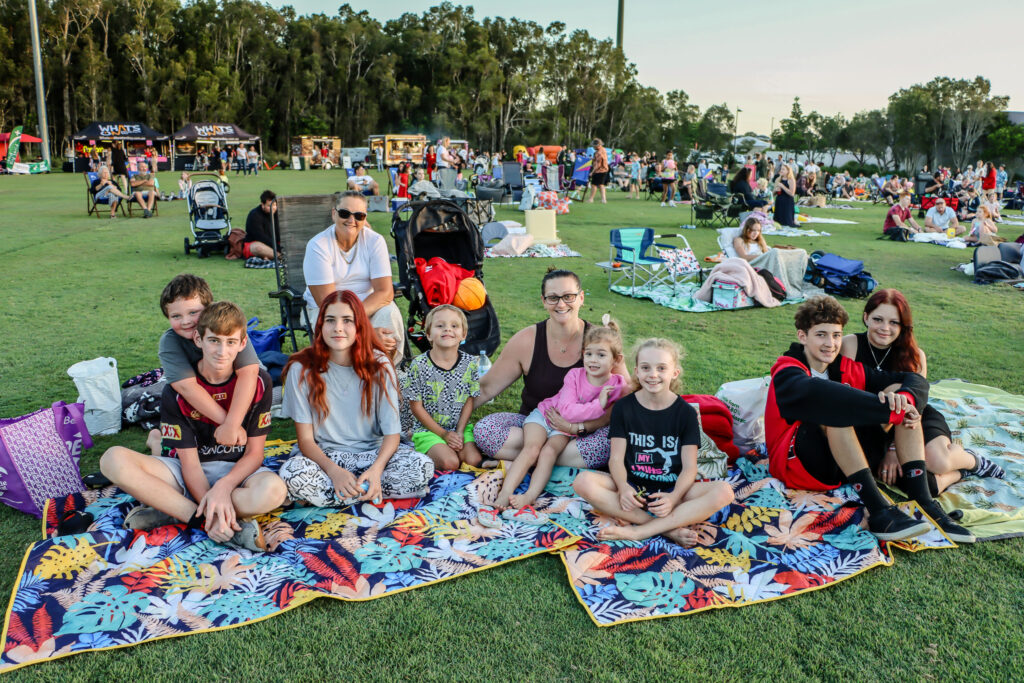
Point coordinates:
[[345, 214]]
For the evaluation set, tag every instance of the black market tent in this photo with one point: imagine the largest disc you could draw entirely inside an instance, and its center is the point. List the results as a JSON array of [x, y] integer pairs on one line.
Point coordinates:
[[185, 141], [126, 131]]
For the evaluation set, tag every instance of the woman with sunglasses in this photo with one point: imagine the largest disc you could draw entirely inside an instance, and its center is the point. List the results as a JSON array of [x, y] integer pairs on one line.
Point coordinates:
[[888, 344], [350, 255], [542, 354]]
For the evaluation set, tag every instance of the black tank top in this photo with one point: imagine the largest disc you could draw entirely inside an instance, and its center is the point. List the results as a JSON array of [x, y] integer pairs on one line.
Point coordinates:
[[545, 379], [864, 354]]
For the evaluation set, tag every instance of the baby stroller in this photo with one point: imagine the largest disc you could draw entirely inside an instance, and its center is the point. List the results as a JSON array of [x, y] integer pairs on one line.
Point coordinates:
[[208, 218], [440, 228]]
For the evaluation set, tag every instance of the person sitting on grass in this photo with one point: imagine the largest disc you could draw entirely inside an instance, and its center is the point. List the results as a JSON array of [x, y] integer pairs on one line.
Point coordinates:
[[144, 189], [983, 229], [889, 344], [940, 218], [440, 386], [822, 422], [183, 301], [750, 244], [969, 204], [204, 484], [586, 394], [891, 190], [105, 188], [651, 483], [899, 219], [342, 393], [991, 200], [363, 183], [259, 228]]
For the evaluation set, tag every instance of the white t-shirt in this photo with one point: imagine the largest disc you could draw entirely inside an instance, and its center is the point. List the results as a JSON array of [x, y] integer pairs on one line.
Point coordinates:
[[345, 428], [325, 263], [440, 152], [363, 182], [940, 220], [812, 168], [254, 156]]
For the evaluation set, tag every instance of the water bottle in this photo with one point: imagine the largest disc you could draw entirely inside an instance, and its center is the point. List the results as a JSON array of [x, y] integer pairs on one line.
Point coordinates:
[[485, 364]]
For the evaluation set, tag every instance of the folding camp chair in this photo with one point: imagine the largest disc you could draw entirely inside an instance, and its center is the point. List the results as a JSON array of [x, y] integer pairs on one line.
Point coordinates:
[[299, 218], [445, 179], [653, 188], [715, 207], [131, 194], [392, 181], [630, 258], [512, 175], [92, 205]]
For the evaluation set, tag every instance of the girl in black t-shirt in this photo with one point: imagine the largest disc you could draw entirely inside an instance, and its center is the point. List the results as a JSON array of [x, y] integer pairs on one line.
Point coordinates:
[[653, 465]]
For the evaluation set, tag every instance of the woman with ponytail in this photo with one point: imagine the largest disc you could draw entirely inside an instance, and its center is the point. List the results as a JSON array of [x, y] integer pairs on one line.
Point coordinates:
[[342, 394], [889, 344]]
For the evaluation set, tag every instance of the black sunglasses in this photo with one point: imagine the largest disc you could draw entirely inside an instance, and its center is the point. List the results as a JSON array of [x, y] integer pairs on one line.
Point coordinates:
[[345, 214]]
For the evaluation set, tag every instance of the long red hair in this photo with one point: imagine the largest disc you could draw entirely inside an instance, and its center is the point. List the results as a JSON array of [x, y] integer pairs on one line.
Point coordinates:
[[369, 359], [906, 354]]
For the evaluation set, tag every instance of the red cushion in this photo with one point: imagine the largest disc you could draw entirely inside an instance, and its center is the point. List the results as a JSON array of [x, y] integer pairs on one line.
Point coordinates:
[[716, 420]]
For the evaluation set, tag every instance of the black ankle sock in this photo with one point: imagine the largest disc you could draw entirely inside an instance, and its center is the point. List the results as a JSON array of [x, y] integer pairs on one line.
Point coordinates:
[[865, 486], [915, 481], [196, 522]]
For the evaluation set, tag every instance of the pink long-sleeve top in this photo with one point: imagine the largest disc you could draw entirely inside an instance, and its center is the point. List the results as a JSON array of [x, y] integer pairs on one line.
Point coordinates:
[[578, 400]]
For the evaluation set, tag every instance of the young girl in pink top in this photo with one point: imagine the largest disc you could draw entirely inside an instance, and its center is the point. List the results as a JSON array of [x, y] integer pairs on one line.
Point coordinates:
[[586, 394]]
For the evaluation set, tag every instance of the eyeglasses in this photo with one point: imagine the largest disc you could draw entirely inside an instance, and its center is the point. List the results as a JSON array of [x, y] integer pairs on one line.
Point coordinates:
[[345, 214], [567, 298]]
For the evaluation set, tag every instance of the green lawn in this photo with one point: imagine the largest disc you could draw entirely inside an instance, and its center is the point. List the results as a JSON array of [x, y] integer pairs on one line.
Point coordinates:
[[77, 287]]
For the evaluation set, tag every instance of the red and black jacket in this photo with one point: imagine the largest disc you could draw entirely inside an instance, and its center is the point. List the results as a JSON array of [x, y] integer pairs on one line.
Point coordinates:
[[848, 398]]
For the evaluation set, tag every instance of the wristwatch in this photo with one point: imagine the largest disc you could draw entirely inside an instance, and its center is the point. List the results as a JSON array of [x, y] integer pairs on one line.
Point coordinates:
[[582, 431]]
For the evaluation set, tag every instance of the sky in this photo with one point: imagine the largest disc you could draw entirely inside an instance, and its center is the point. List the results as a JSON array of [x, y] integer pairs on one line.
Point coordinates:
[[756, 56]]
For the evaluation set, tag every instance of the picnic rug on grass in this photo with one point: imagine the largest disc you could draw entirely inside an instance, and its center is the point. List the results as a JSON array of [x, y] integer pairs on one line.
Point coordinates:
[[537, 251], [111, 587], [783, 231], [681, 298]]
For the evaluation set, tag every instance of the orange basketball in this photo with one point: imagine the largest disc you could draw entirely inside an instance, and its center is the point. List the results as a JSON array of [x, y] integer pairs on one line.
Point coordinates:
[[470, 295]]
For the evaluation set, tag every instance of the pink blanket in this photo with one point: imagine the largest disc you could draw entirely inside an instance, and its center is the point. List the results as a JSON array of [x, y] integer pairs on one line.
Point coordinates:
[[740, 272]]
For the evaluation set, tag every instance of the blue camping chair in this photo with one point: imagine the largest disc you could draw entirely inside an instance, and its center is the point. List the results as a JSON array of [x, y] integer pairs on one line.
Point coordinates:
[[634, 254], [92, 204]]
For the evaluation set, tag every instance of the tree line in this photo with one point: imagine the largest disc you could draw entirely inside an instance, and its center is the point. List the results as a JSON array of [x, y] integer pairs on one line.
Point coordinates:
[[494, 81]]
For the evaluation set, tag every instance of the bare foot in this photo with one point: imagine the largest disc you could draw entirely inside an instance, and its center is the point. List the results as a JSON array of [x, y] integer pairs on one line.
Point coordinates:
[[682, 536], [522, 500], [501, 503], [153, 441], [617, 533]]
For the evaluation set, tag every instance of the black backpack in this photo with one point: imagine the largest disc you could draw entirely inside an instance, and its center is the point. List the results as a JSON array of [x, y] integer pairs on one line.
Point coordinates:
[[775, 285]]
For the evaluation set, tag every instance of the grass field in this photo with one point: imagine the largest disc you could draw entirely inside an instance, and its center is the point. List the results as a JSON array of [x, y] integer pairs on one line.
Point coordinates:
[[76, 287]]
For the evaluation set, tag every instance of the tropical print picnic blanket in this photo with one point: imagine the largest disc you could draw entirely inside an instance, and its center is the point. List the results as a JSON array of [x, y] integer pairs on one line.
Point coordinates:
[[681, 298], [781, 231], [538, 251], [770, 543], [112, 587], [991, 422]]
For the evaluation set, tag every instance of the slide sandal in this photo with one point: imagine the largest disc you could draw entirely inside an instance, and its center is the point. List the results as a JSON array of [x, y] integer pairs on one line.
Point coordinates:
[[525, 515]]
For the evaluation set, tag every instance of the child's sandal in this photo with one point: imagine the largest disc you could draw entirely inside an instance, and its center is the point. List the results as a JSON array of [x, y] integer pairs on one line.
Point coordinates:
[[489, 517], [525, 515]]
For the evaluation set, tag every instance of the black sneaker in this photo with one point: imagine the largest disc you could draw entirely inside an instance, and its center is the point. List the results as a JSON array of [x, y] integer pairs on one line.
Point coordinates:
[[984, 467], [892, 524], [954, 531], [144, 518]]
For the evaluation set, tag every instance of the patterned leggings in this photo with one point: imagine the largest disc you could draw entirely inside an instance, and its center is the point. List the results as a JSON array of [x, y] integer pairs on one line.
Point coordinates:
[[492, 431], [406, 475]]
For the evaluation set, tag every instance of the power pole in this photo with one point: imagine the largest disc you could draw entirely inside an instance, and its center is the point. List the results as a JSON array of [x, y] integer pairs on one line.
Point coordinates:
[[618, 33], [37, 62]]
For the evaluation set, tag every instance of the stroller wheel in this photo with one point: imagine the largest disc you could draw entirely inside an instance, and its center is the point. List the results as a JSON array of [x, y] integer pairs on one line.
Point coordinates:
[[187, 247]]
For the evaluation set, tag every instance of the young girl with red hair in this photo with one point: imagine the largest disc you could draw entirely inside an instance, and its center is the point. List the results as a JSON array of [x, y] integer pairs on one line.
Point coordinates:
[[342, 394], [889, 344]]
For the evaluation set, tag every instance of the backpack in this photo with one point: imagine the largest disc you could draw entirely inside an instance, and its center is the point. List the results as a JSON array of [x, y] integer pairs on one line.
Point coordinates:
[[996, 271], [236, 241], [839, 276], [775, 285]]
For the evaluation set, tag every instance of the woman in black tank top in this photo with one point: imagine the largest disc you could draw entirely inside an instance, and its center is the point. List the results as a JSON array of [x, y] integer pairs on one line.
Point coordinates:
[[889, 344], [541, 355]]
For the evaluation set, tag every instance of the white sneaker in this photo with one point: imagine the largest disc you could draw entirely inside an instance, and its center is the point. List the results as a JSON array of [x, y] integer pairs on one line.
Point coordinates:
[[671, 203], [664, 204]]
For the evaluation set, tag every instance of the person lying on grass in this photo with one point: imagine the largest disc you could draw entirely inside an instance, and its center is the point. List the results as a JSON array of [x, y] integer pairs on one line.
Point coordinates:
[[889, 344], [205, 484], [440, 386], [822, 422], [586, 394], [652, 485], [342, 393]]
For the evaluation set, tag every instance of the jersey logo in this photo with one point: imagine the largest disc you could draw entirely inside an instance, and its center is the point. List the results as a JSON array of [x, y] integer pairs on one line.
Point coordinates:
[[264, 421], [223, 396], [172, 432], [915, 472]]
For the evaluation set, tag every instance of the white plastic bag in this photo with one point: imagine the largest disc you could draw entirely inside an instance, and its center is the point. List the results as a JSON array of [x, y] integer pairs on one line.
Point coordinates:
[[529, 199], [100, 390], [746, 399]]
